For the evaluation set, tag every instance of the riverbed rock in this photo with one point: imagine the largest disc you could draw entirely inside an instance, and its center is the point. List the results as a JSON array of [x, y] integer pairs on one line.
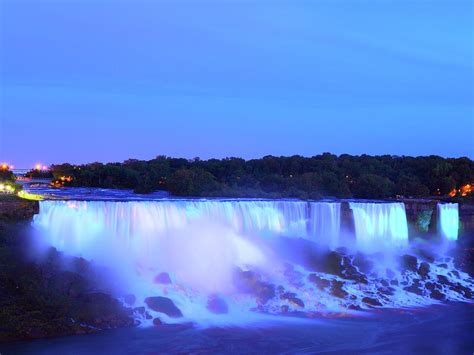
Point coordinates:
[[250, 282], [409, 262], [414, 289], [163, 305], [319, 281], [217, 305], [157, 322], [371, 301], [437, 295], [291, 297], [337, 290], [424, 269]]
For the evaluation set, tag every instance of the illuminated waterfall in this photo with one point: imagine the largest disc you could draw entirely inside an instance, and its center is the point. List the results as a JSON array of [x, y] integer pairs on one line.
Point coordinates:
[[448, 214], [325, 222], [380, 224]]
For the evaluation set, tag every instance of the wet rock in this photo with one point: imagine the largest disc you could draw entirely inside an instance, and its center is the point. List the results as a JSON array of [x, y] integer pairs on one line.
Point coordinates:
[[424, 269], [157, 322], [394, 282], [464, 291], [336, 289], [414, 289], [284, 308], [409, 262], [129, 299], [162, 278], [362, 263], [354, 307], [319, 282], [444, 266], [384, 283], [455, 273], [443, 280], [291, 297], [371, 301], [437, 295], [250, 282], [430, 286], [163, 305], [332, 263], [217, 305], [389, 291]]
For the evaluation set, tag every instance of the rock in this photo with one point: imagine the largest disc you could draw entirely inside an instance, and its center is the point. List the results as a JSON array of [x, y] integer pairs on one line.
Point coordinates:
[[129, 299], [437, 295], [409, 262], [332, 263], [389, 291], [414, 289], [384, 283], [466, 292], [354, 307], [250, 282], [455, 273], [430, 286], [162, 278], [157, 322], [363, 264], [291, 297], [163, 305], [217, 305], [336, 289], [444, 266], [443, 280], [284, 309], [371, 301], [424, 269], [394, 282], [319, 282]]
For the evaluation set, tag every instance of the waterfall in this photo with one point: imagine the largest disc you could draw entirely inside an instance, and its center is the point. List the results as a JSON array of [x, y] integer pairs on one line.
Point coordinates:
[[448, 214], [380, 224], [325, 222]]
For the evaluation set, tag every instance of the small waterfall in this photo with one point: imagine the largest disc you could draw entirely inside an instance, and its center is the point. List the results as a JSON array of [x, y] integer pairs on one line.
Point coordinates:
[[380, 224], [325, 222], [448, 214]]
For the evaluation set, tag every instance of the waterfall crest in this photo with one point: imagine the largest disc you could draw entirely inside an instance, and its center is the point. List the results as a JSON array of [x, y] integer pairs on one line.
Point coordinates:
[[448, 214]]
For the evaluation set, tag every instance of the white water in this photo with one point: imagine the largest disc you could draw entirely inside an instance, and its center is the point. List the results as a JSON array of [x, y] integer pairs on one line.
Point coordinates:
[[448, 214], [201, 242], [380, 225]]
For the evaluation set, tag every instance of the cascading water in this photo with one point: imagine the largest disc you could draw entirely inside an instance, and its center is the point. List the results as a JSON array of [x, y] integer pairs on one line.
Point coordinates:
[[325, 222], [448, 214], [231, 250], [379, 225]]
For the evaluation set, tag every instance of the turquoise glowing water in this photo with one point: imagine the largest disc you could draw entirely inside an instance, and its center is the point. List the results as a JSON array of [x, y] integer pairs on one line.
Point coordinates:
[[449, 220]]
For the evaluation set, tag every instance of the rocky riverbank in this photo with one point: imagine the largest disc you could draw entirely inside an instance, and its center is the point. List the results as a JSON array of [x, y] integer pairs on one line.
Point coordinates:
[[43, 298]]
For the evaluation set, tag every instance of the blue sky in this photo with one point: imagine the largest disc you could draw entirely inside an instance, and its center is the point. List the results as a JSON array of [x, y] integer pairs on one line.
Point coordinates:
[[109, 80]]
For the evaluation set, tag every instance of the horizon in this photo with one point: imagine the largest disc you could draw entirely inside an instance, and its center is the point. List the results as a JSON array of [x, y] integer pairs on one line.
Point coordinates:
[[237, 79]]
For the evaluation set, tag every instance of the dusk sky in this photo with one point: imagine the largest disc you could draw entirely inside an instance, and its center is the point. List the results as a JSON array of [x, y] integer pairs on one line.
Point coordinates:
[[87, 81]]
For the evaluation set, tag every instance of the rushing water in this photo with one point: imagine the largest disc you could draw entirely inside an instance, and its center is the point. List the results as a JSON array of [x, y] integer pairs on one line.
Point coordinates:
[[201, 243], [379, 224], [449, 220]]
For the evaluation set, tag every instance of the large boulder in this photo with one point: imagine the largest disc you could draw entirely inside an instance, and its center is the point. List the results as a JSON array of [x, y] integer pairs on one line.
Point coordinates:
[[371, 301], [163, 305], [250, 282], [319, 281], [409, 262], [337, 290], [291, 297], [424, 269]]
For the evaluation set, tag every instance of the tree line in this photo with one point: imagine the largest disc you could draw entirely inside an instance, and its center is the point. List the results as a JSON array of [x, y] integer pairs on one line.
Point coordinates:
[[320, 176]]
